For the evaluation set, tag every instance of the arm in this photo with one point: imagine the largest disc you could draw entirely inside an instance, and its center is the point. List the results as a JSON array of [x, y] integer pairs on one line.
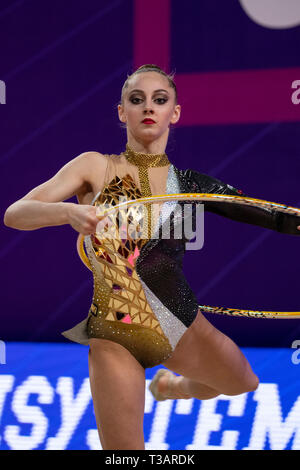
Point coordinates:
[[43, 206], [273, 219]]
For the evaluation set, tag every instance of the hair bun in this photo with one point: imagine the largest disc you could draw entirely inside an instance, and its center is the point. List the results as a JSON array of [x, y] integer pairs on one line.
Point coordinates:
[[147, 66]]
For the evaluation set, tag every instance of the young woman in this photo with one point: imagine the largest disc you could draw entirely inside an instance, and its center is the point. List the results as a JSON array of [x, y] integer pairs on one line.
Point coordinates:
[[143, 312]]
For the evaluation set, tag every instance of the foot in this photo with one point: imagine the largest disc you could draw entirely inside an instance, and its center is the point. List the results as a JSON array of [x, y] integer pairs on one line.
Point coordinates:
[[166, 385]]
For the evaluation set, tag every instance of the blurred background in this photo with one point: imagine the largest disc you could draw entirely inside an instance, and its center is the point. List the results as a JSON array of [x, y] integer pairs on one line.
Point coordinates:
[[237, 70]]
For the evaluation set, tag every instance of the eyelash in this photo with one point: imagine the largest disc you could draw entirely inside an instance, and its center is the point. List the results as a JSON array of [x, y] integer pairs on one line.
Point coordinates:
[[135, 98]]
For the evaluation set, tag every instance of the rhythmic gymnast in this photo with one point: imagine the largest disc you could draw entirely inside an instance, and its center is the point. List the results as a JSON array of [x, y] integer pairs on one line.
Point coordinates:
[[143, 311]]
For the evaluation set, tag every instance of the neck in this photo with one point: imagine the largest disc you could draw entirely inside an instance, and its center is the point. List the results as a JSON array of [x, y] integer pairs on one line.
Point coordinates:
[[142, 159], [157, 146]]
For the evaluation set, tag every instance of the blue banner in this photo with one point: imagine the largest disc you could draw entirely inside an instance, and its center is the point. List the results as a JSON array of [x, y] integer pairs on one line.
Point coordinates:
[[45, 403]]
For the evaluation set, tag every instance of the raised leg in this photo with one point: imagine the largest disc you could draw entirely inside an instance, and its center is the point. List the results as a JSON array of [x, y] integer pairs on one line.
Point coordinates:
[[210, 363]]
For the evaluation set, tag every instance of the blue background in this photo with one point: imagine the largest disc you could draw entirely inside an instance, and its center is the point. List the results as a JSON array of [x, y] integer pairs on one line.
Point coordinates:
[[52, 361]]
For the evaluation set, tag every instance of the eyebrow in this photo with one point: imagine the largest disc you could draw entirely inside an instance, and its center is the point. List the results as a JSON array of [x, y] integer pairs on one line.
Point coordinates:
[[155, 91]]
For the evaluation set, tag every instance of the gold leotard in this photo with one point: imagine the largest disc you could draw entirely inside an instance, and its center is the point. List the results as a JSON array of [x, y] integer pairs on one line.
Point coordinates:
[[121, 310]]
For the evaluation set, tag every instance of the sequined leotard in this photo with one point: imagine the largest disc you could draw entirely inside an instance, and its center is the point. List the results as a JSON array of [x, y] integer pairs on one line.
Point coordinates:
[[141, 298]]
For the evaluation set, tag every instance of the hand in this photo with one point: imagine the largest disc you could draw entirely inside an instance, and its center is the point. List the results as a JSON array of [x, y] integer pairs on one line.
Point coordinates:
[[82, 218], [298, 227]]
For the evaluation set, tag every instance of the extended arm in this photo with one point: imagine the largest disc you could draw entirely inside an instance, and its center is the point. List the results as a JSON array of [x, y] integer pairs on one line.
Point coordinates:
[[273, 219], [43, 206]]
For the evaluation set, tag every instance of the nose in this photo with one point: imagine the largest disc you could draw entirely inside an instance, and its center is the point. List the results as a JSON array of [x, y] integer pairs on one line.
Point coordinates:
[[148, 108]]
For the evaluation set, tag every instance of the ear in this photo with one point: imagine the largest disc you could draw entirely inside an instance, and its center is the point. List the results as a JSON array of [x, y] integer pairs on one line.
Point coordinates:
[[176, 114], [121, 113]]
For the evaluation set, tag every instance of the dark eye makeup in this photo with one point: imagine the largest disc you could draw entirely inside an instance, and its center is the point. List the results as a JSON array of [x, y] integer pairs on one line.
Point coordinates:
[[137, 100]]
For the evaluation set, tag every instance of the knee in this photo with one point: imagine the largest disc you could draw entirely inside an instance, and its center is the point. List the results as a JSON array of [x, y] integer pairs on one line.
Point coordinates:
[[250, 381], [245, 386], [251, 384], [254, 383]]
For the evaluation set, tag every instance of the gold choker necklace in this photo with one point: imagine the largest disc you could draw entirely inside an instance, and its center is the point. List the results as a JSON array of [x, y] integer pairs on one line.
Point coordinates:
[[143, 161]]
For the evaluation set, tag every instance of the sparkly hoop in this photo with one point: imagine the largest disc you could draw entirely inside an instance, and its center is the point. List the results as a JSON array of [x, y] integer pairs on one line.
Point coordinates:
[[216, 198]]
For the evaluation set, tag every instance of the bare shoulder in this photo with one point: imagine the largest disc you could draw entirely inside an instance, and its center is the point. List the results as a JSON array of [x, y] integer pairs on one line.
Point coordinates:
[[93, 165], [89, 163], [93, 154], [91, 158]]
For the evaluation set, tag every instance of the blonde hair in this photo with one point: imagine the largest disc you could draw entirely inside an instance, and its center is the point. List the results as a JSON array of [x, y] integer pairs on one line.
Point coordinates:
[[150, 68]]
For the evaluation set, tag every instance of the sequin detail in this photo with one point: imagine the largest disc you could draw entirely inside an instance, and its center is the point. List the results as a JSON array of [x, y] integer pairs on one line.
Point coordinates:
[[168, 206], [159, 265], [172, 327], [144, 161]]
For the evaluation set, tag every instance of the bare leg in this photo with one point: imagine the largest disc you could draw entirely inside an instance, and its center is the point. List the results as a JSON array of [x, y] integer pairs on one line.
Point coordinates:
[[186, 388], [210, 363], [118, 391]]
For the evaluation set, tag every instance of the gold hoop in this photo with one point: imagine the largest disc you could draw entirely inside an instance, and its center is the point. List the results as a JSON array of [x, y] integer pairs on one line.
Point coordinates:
[[213, 198]]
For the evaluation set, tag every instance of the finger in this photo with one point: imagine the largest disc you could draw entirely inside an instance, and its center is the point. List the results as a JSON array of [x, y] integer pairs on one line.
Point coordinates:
[[100, 212]]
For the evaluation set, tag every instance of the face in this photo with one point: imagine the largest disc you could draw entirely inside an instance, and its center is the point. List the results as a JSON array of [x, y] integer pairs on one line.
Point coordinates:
[[148, 106]]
